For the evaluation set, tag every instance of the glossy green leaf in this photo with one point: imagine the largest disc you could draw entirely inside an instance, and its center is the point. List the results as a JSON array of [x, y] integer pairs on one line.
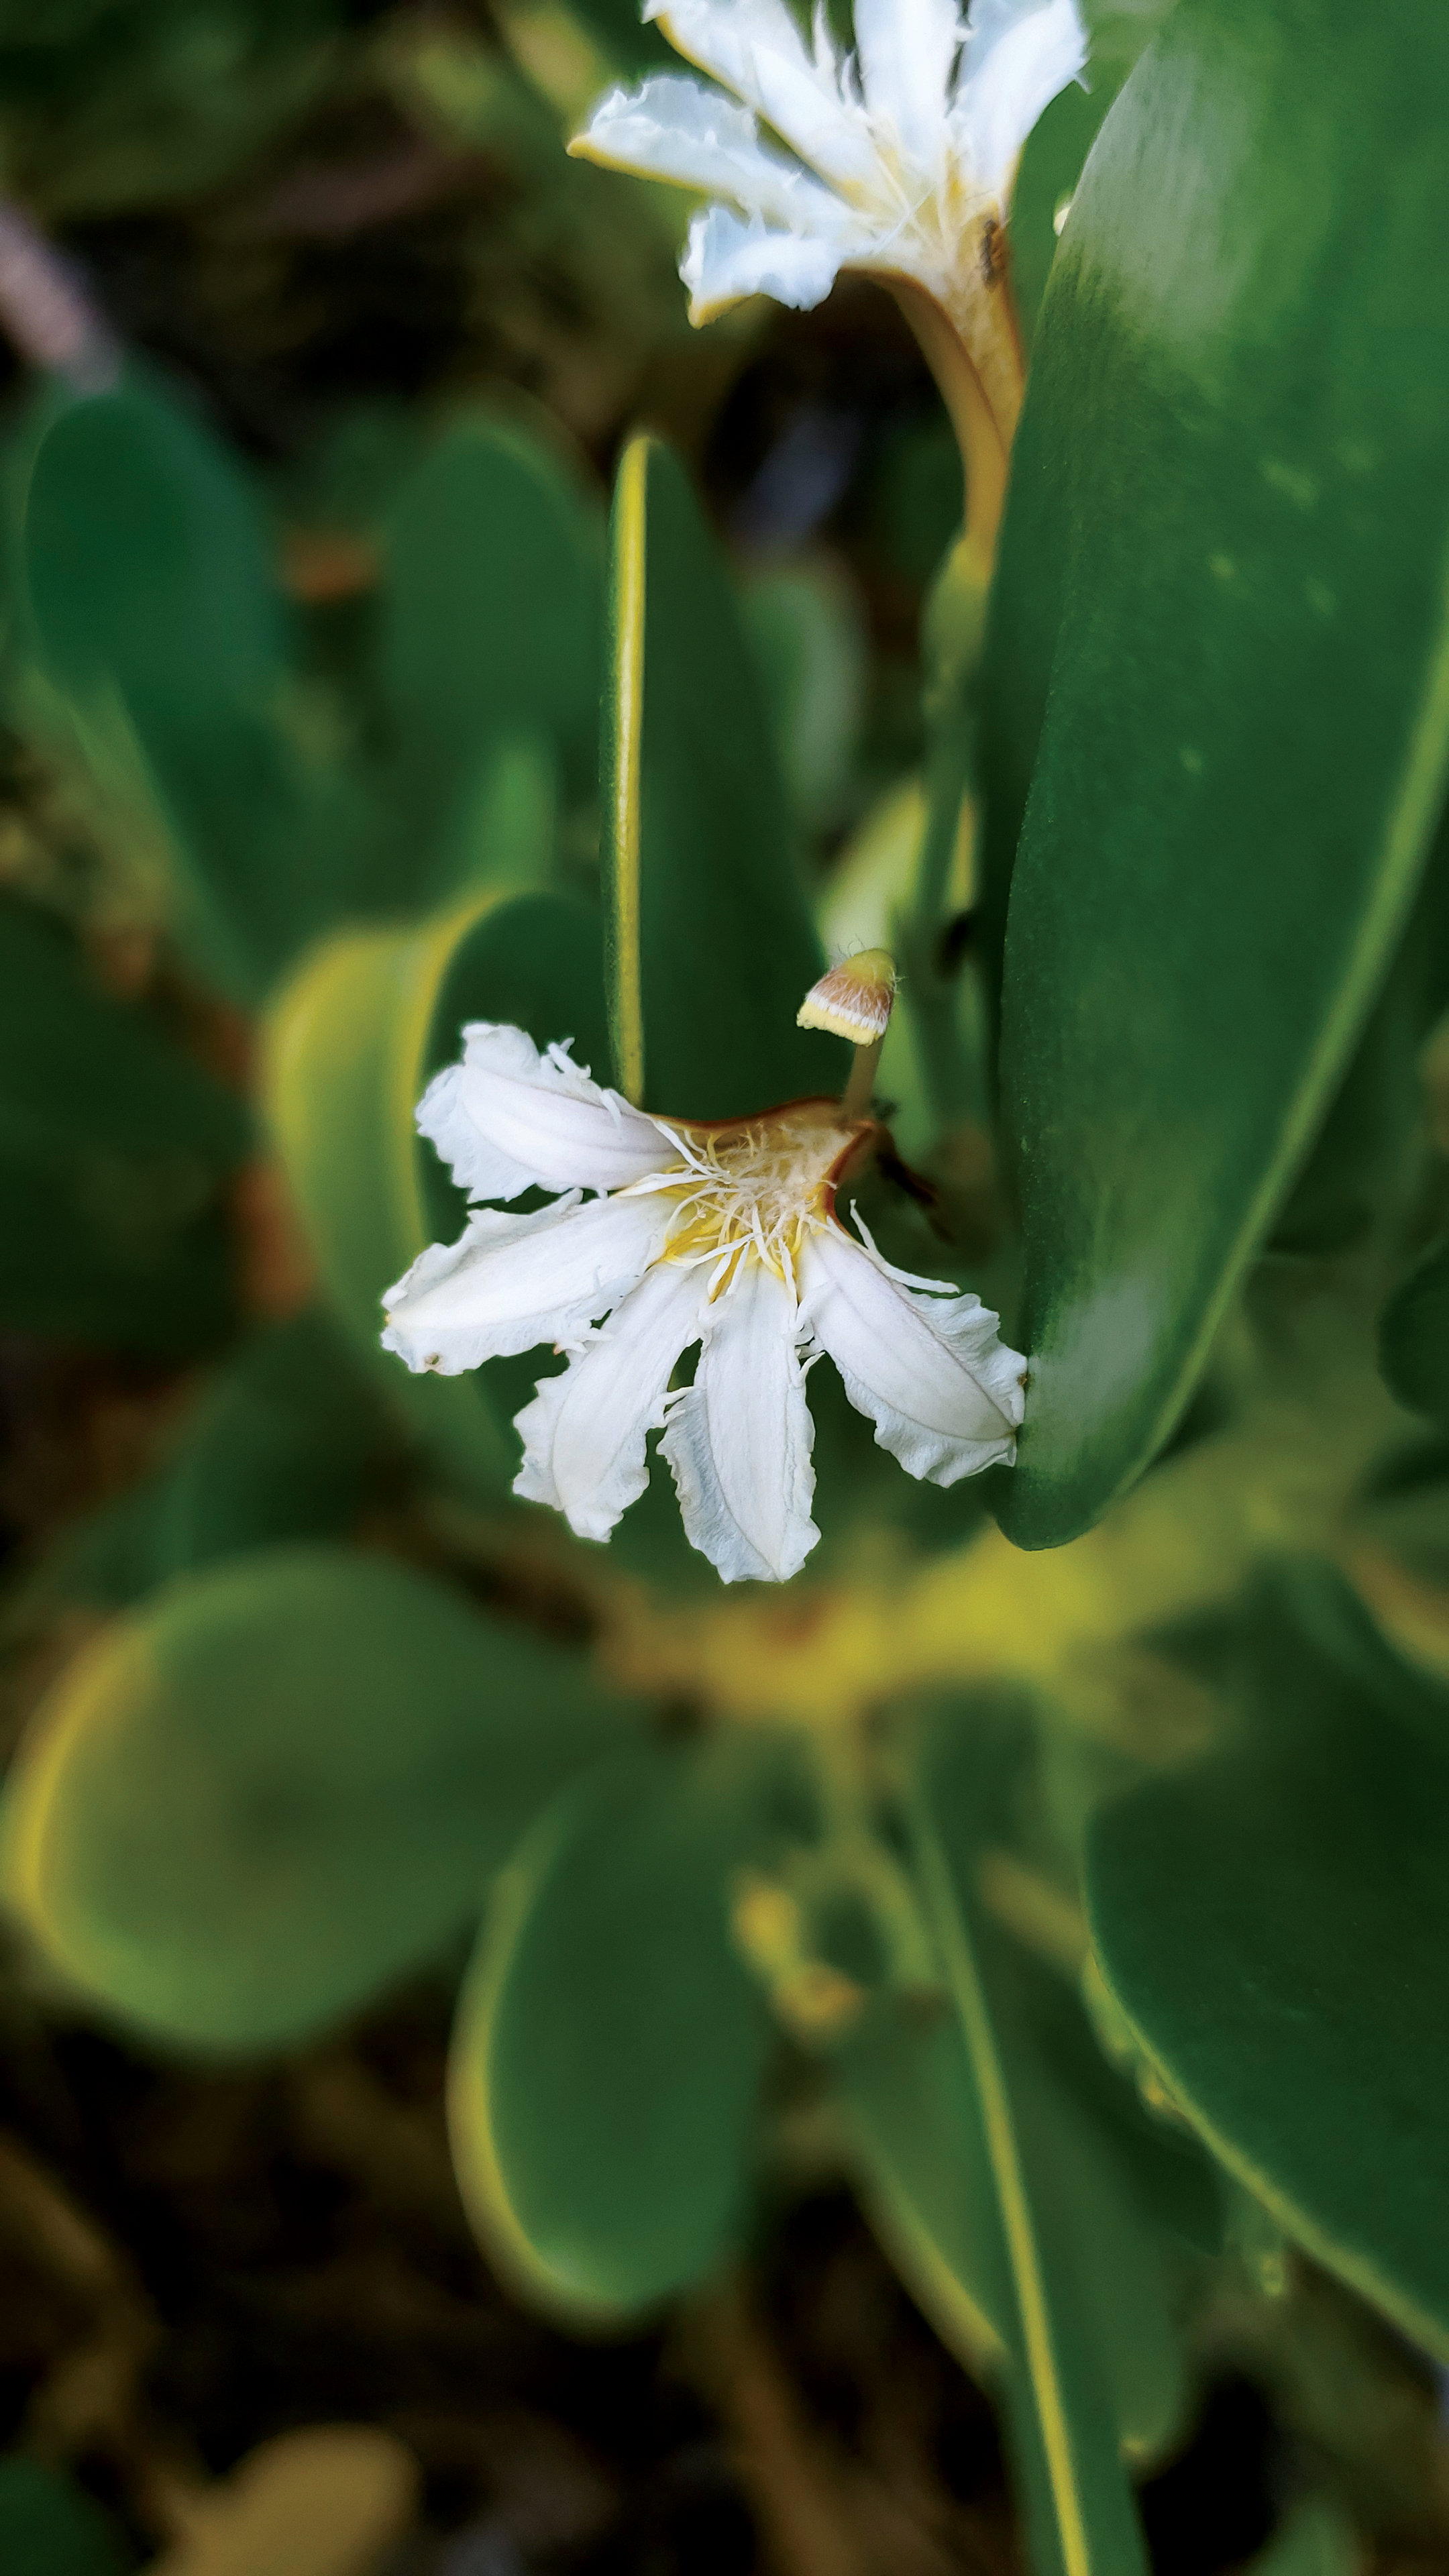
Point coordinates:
[[1097, 2188], [627, 39], [1063, 2243], [1058, 144], [154, 600], [77, 1062], [288, 1439], [112, 105], [1273, 1922], [806, 624], [1219, 688], [912, 2114], [278, 1447], [610, 2045], [1365, 1166], [1316, 2540], [1414, 1336], [711, 949], [114, 1151], [1115, 2181], [503, 837], [282, 1783], [353, 1041], [491, 611], [116, 1249], [50, 2527]]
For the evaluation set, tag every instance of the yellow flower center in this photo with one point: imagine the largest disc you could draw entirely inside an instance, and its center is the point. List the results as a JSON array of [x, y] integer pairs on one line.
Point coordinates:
[[755, 1188]]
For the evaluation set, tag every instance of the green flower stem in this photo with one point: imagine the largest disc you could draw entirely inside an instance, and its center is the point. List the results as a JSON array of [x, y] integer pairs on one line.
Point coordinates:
[[951, 1079], [852, 1853], [955, 625], [954, 629]]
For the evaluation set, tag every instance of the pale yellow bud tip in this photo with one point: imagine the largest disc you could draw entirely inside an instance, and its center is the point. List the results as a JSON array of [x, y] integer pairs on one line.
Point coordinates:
[[854, 999]]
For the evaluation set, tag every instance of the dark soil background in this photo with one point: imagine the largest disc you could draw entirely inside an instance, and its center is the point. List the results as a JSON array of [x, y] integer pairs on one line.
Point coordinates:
[[193, 2262]]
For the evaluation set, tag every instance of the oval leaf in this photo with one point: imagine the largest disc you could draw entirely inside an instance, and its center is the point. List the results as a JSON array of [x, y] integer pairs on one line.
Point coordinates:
[[1273, 1922], [152, 589], [285, 1781], [352, 1043], [49, 2526], [1219, 667], [912, 2114], [114, 1147], [610, 2045], [1099, 2179], [711, 949], [1414, 1337], [490, 621]]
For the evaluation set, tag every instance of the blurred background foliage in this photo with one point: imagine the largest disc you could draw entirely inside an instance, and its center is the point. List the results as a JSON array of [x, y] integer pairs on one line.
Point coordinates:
[[320, 359]]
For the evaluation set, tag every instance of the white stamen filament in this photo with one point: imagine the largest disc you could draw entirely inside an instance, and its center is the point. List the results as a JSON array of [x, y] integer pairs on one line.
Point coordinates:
[[755, 1190]]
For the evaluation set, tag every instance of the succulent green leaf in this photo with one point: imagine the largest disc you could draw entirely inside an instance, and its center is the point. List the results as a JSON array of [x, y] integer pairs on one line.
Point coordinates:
[[1058, 144], [806, 624], [504, 836], [1317, 2539], [710, 945], [626, 38], [119, 105], [153, 599], [353, 1041], [282, 1783], [76, 1061], [114, 1148], [610, 2045], [1218, 710], [911, 2109], [1062, 2242], [1365, 1165], [1272, 1922], [287, 1439], [1414, 1336], [49, 2526], [490, 628], [277, 1448], [1132, 2199], [120, 1249]]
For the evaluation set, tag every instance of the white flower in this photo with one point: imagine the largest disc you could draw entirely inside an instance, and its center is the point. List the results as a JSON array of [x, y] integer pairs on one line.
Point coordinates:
[[723, 1235], [901, 159]]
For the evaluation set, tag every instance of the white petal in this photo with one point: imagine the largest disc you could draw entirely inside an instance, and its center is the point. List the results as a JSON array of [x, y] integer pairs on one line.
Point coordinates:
[[723, 36], [675, 128], [1017, 60], [584, 1433], [907, 51], [944, 1393], [511, 1282], [829, 130], [508, 1119], [756, 49], [739, 1440], [726, 259]]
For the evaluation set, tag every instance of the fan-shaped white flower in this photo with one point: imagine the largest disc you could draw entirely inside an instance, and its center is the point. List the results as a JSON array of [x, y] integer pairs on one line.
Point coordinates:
[[724, 1235], [901, 159]]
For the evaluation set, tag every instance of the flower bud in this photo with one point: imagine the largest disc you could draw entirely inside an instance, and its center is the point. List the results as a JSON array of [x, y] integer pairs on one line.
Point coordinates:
[[853, 1000]]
